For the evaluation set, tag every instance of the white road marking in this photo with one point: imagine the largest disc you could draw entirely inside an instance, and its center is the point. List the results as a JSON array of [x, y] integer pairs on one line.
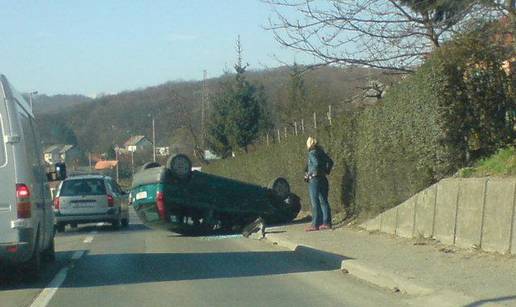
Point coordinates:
[[221, 237], [77, 255], [43, 299], [46, 295]]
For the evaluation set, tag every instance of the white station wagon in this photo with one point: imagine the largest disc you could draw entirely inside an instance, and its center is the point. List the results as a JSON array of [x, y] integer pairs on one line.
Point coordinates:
[[90, 198]]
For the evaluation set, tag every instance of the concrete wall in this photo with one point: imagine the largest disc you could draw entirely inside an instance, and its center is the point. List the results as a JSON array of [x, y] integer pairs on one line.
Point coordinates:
[[467, 212]]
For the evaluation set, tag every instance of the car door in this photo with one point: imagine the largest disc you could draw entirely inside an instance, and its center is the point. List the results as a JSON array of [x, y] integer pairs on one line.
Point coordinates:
[[7, 175], [115, 192]]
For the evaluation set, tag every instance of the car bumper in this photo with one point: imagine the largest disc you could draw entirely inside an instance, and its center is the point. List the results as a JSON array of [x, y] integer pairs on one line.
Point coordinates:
[[88, 218]]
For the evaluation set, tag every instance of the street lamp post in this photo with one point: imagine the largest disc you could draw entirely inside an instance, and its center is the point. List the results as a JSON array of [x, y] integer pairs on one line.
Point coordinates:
[[30, 97]]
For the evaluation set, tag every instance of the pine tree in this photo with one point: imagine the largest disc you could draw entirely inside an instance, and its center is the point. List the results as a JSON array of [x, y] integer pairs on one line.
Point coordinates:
[[297, 96], [238, 113]]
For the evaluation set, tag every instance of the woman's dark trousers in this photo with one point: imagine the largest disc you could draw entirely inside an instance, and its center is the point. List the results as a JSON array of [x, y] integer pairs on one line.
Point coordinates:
[[318, 189]]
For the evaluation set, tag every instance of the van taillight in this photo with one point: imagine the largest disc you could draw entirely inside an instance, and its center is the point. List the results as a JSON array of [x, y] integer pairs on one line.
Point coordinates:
[[23, 203], [57, 203], [160, 205], [110, 201]]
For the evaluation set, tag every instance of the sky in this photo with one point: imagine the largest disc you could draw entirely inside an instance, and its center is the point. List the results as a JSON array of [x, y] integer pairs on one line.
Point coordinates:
[[106, 46]]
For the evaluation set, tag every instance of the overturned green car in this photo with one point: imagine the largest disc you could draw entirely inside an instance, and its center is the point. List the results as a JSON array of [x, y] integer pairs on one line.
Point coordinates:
[[176, 198]]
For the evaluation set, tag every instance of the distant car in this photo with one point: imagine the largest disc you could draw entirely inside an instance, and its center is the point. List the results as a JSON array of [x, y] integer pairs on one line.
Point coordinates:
[[26, 217], [90, 199]]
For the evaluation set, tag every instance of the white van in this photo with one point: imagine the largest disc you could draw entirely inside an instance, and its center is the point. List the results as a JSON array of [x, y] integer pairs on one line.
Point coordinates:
[[26, 213]]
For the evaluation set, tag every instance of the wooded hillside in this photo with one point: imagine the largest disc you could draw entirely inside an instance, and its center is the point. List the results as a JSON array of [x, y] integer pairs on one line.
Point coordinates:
[[98, 124]]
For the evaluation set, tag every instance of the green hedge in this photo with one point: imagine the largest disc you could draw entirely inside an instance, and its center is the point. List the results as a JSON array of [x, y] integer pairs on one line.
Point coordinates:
[[426, 128]]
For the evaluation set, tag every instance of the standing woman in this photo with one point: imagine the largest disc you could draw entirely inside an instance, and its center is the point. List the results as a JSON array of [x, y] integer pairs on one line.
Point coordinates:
[[319, 165]]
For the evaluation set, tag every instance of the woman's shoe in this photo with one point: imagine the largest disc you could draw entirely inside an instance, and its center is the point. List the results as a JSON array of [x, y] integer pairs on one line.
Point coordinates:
[[312, 228], [324, 226]]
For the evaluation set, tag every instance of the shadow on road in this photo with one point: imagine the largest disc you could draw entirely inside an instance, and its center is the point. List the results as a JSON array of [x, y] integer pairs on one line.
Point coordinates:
[[502, 300], [84, 229], [120, 269], [15, 278]]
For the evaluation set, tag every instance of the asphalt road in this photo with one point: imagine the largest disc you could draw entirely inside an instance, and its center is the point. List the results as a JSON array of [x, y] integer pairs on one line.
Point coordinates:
[[98, 266]]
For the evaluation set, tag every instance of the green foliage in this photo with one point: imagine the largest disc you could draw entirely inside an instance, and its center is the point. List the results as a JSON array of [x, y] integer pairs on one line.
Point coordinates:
[[476, 101], [238, 115], [439, 10], [502, 163], [59, 132], [297, 97]]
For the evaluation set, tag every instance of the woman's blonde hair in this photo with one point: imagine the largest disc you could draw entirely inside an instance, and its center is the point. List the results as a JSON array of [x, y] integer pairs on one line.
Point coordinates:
[[311, 142]]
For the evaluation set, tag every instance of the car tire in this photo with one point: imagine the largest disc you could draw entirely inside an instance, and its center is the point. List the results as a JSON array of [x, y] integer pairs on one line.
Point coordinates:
[[73, 225], [60, 227], [125, 222], [33, 266], [180, 166], [281, 187], [50, 253]]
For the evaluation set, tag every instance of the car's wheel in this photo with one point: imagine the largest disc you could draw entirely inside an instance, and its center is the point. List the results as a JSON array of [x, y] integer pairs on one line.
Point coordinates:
[[125, 222], [60, 227], [180, 166], [281, 187], [50, 253], [73, 225]]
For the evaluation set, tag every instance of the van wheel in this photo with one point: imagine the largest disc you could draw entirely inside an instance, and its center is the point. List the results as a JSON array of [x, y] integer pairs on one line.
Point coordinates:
[[33, 266], [115, 224], [60, 227], [50, 253], [125, 222]]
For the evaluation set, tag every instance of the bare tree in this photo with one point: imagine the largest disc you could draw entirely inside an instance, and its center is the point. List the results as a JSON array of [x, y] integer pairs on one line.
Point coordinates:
[[385, 34]]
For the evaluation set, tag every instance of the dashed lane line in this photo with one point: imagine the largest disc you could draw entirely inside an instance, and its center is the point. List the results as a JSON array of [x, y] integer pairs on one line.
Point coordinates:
[[77, 255], [46, 295], [43, 299]]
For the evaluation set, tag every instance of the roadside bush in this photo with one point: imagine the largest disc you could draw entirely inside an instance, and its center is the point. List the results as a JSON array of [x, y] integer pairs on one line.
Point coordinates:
[[455, 109]]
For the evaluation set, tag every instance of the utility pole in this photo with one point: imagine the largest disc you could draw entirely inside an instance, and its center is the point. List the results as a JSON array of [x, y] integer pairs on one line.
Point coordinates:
[[153, 140], [132, 162], [204, 101], [117, 163], [89, 159]]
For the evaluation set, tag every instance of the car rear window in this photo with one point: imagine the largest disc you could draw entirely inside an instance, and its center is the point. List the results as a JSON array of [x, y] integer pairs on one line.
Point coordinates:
[[2, 143], [83, 187]]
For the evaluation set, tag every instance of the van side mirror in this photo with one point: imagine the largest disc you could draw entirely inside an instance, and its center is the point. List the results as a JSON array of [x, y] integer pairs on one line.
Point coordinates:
[[56, 172]]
